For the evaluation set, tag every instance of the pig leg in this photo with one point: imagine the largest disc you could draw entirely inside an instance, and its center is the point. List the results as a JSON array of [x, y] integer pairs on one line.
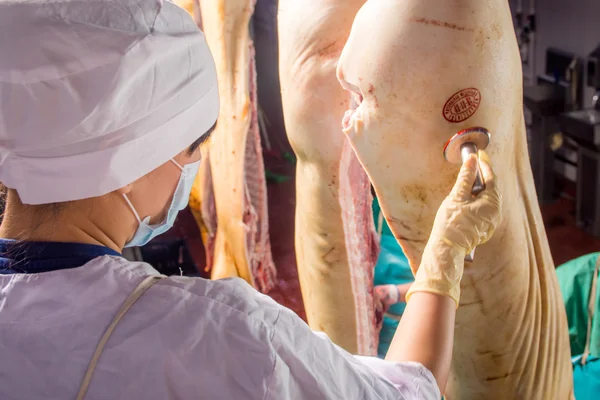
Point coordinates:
[[422, 71], [335, 290], [242, 245], [202, 197], [202, 205]]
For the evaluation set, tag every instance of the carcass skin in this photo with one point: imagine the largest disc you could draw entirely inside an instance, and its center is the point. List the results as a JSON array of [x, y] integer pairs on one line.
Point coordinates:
[[240, 246], [203, 207], [406, 59], [193, 8], [335, 240]]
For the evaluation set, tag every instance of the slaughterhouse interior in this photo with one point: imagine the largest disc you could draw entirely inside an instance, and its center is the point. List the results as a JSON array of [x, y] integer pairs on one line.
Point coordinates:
[[358, 156]]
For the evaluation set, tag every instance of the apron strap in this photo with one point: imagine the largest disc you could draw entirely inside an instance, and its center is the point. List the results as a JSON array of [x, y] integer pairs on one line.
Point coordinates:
[[591, 310], [133, 297]]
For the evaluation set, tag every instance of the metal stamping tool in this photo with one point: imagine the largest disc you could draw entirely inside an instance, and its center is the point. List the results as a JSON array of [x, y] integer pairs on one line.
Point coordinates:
[[458, 149]]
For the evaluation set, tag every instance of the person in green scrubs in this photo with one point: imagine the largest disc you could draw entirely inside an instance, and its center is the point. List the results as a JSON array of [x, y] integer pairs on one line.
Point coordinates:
[[578, 280], [392, 279]]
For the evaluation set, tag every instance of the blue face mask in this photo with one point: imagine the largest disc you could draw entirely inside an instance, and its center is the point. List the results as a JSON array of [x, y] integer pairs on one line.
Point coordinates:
[[146, 232]]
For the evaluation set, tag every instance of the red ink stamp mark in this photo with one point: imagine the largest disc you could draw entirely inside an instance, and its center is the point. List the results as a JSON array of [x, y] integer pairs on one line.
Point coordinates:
[[462, 105]]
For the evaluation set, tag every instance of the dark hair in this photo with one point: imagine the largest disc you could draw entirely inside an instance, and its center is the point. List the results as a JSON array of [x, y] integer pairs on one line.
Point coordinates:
[[3, 191], [42, 212], [194, 146]]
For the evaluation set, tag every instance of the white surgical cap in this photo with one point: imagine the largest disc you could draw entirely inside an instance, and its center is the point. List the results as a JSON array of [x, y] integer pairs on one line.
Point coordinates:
[[95, 94]]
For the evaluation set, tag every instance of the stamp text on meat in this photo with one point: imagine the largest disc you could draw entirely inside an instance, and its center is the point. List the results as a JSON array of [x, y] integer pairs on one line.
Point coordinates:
[[462, 105]]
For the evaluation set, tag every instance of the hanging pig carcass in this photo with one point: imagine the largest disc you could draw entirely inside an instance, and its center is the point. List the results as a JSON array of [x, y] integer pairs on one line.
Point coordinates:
[[336, 245], [422, 70], [229, 198]]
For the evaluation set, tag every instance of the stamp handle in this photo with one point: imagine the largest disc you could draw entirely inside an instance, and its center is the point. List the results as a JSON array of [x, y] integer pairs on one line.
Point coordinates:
[[465, 151]]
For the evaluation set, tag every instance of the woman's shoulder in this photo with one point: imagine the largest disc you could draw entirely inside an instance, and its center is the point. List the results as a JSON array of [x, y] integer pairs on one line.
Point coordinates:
[[213, 337], [225, 296], [229, 296]]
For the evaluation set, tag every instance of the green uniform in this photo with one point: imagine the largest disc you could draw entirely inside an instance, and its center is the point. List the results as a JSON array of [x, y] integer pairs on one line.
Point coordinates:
[[391, 268], [575, 280]]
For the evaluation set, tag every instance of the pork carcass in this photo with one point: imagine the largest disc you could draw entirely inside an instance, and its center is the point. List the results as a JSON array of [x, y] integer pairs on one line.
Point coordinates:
[[229, 199], [423, 70], [336, 246]]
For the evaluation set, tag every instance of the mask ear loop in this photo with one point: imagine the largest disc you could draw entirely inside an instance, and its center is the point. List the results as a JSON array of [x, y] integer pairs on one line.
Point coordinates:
[[137, 216], [177, 164]]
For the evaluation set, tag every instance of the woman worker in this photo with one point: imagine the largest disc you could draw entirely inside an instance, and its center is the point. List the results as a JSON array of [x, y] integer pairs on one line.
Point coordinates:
[[104, 105], [392, 279]]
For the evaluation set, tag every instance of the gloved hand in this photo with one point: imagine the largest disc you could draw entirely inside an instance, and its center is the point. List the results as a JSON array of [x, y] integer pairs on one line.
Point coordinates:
[[462, 222]]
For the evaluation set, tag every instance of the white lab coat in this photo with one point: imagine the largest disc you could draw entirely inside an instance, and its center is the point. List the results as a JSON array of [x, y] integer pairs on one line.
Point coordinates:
[[185, 338]]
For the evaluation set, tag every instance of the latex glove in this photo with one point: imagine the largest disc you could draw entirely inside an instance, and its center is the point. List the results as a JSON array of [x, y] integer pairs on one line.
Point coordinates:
[[390, 294], [462, 222]]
